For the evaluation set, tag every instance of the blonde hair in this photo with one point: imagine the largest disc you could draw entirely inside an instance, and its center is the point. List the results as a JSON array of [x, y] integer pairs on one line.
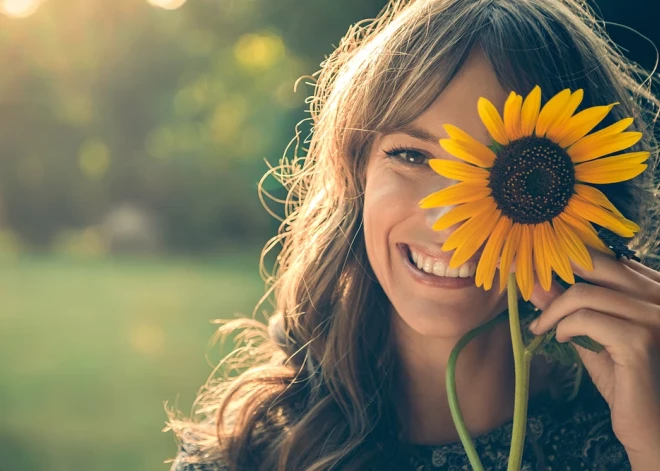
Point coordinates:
[[316, 389]]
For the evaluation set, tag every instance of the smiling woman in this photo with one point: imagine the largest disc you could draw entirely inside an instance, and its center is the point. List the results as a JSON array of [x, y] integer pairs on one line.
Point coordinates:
[[372, 291]]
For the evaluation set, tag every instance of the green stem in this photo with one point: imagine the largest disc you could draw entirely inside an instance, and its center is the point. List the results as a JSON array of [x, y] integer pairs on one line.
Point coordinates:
[[522, 359], [454, 408]]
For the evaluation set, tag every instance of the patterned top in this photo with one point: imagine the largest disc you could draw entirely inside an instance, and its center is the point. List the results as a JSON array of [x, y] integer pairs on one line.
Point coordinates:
[[561, 436]]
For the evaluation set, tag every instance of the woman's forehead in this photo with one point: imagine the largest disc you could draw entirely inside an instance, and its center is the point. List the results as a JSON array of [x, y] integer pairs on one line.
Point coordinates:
[[457, 104]]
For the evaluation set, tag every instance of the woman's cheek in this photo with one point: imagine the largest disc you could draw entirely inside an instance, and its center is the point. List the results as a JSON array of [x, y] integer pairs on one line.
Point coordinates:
[[391, 215]]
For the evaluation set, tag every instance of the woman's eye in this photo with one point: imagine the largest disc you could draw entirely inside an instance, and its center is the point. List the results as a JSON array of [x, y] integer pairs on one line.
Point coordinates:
[[408, 156]]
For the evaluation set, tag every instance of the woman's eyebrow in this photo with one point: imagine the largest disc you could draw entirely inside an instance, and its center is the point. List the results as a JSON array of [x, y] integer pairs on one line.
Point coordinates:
[[417, 132]]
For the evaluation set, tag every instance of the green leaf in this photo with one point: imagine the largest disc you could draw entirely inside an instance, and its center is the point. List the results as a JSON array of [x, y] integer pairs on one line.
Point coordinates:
[[564, 353], [588, 343]]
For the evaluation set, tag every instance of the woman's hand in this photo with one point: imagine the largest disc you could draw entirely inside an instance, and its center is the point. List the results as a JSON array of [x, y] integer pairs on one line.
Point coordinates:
[[621, 311]]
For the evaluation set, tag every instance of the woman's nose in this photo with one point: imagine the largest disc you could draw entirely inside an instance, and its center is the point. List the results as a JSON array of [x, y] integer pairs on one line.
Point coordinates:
[[433, 214]]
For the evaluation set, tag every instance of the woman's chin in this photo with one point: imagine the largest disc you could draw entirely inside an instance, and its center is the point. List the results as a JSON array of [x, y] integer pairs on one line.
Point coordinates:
[[446, 321]]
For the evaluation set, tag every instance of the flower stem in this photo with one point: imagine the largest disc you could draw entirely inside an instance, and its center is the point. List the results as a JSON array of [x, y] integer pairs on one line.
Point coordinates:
[[522, 359], [450, 381]]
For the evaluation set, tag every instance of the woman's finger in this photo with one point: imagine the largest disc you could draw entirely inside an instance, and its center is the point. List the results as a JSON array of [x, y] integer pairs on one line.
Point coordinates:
[[642, 269], [622, 339], [542, 298], [611, 273], [585, 296]]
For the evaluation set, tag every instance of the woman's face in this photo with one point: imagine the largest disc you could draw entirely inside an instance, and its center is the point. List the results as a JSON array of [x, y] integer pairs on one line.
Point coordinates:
[[395, 227]]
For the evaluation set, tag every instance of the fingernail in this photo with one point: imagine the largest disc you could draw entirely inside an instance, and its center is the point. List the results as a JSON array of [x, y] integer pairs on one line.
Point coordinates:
[[532, 326]]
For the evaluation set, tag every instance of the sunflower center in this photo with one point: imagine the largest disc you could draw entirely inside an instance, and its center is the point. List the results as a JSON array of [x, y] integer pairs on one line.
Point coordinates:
[[532, 180]]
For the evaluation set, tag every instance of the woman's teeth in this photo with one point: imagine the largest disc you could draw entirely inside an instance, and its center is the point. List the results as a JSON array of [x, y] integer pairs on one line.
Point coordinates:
[[441, 268]]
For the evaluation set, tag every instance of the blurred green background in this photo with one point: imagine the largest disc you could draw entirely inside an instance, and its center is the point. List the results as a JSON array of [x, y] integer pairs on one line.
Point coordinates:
[[132, 137]]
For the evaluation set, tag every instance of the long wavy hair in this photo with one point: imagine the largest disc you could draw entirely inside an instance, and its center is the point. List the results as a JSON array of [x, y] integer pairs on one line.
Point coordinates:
[[316, 388]]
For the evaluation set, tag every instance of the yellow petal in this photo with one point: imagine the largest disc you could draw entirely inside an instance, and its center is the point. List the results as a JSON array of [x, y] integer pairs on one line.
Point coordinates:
[[551, 111], [558, 256], [460, 213], [579, 125], [469, 152], [571, 244], [589, 148], [492, 251], [492, 120], [466, 230], [614, 169], [512, 116], [585, 231], [577, 206], [557, 128], [611, 175], [596, 196], [463, 192], [530, 111], [483, 152], [508, 252], [481, 230], [458, 170], [542, 257], [524, 271], [627, 223]]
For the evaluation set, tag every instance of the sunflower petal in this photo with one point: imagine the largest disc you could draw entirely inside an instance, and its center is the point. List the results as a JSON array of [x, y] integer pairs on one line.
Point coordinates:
[[571, 244], [627, 223], [596, 196], [614, 169], [585, 231], [482, 231], [470, 151], [588, 149], [466, 230], [512, 116], [492, 120], [492, 251], [463, 192], [611, 175], [579, 206], [579, 125], [524, 270], [460, 213], [458, 170], [551, 111], [541, 256], [529, 112], [557, 128], [508, 253], [558, 257]]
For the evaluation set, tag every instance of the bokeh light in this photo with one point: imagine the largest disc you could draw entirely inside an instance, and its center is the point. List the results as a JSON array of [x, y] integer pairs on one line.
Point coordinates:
[[167, 4], [19, 8], [94, 158], [259, 51]]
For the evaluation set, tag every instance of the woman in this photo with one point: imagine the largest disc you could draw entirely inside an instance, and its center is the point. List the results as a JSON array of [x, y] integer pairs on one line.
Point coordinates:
[[351, 374]]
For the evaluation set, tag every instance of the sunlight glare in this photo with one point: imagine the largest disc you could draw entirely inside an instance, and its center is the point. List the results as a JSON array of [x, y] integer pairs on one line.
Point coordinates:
[[167, 4], [19, 8]]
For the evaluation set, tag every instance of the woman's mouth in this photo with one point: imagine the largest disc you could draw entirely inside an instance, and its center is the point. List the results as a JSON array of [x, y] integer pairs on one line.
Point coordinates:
[[435, 271]]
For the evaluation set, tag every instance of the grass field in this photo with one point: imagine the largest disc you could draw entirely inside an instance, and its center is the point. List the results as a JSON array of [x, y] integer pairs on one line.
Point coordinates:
[[91, 349]]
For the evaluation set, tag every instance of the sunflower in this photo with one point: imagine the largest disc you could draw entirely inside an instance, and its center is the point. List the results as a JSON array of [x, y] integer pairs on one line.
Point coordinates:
[[529, 197]]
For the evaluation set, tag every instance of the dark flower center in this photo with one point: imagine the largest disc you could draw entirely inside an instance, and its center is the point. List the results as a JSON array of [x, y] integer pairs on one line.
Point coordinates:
[[532, 180]]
